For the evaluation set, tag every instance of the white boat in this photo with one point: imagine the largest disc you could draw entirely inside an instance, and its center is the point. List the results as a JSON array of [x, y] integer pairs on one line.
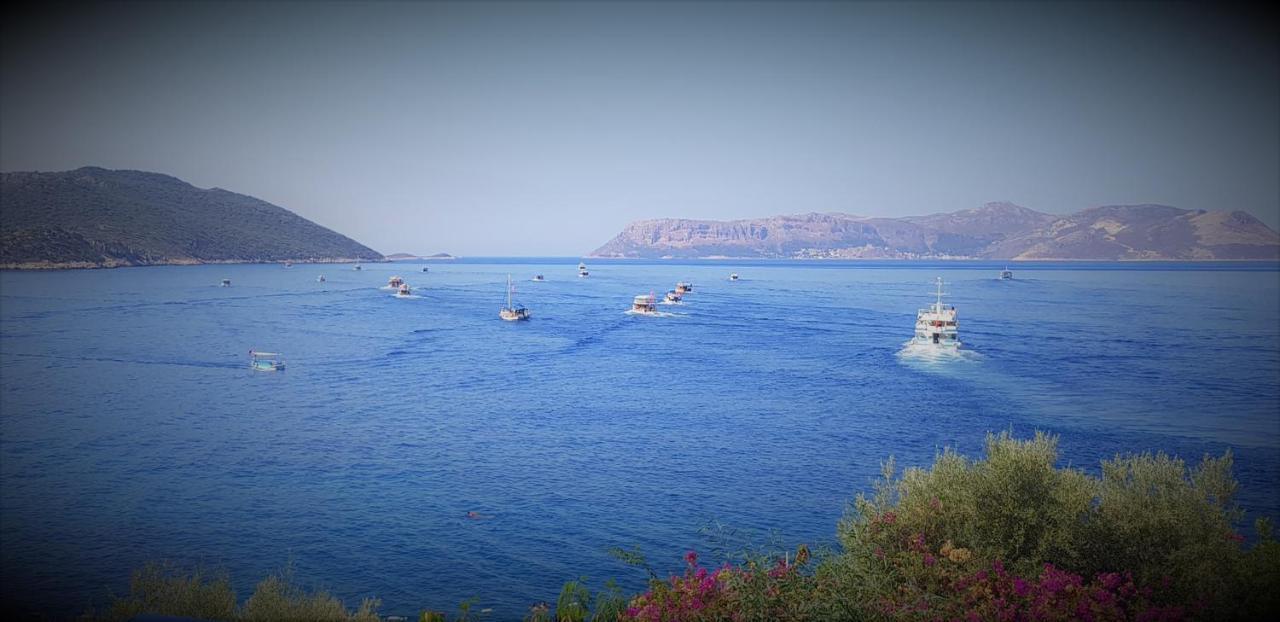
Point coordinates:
[[404, 291], [936, 325], [582, 270], [395, 282], [733, 277], [1006, 274], [288, 264], [672, 297], [320, 279], [512, 312], [226, 282], [266, 361], [537, 278], [357, 268], [645, 303], [683, 288]]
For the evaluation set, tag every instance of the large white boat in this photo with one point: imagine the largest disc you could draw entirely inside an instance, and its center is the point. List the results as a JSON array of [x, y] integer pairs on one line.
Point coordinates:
[[644, 303], [513, 312], [936, 325]]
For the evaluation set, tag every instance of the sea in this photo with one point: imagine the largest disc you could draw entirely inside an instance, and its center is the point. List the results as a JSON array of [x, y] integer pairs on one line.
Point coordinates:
[[423, 452]]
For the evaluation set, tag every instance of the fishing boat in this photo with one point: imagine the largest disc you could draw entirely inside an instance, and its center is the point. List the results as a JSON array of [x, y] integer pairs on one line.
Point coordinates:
[[582, 270], [936, 325], [537, 278], [266, 361], [404, 291], [733, 277], [512, 312], [672, 297], [226, 282], [1006, 274], [645, 303], [395, 282], [683, 288]]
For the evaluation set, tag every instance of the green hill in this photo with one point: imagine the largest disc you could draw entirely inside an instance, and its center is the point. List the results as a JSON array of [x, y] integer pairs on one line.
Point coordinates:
[[93, 217]]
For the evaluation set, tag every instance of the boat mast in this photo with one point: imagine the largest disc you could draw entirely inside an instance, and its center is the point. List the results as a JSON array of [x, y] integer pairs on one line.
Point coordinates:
[[937, 308], [508, 291]]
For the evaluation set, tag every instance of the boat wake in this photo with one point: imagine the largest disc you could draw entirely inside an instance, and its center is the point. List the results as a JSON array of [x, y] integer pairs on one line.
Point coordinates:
[[651, 313], [928, 354], [410, 296]]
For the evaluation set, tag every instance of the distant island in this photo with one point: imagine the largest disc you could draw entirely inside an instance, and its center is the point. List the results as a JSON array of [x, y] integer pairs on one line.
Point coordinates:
[[98, 218], [412, 257], [993, 231]]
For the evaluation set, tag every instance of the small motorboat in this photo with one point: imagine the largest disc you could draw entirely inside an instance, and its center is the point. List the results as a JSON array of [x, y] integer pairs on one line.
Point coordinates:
[[582, 270], [683, 288], [288, 264], [537, 278], [733, 277], [320, 279], [425, 269], [266, 361], [404, 291], [1006, 274], [357, 268], [672, 297], [226, 282], [394, 282]]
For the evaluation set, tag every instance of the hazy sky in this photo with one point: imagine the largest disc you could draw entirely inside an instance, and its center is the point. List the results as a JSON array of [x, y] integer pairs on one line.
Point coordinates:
[[527, 129]]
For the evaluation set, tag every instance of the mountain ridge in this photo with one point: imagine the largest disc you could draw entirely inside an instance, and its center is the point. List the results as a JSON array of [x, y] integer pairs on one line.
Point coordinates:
[[997, 230], [93, 217]]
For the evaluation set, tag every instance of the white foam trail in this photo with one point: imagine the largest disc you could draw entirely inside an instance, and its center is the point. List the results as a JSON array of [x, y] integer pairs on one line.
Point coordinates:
[[654, 314], [409, 296], [930, 354]]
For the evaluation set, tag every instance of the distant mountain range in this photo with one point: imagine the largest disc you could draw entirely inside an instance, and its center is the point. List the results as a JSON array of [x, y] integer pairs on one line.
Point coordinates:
[[93, 217], [993, 231]]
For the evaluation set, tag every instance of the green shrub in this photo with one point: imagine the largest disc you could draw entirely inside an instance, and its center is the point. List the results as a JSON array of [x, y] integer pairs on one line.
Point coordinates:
[[164, 589]]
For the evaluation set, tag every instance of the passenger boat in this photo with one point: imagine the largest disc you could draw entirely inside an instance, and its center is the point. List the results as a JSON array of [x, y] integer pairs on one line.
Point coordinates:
[[266, 361], [395, 282], [645, 303], [937, 324], [404, 290], [582, 270], [672, 297], [512, 312], [683, 288], [226, 282], [1006, 274]]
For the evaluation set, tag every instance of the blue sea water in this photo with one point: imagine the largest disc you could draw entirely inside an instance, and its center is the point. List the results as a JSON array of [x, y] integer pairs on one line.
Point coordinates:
[[131, 428]]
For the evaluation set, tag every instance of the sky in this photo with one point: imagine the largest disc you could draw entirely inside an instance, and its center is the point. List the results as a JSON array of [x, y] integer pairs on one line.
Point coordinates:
[[524, 128]]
